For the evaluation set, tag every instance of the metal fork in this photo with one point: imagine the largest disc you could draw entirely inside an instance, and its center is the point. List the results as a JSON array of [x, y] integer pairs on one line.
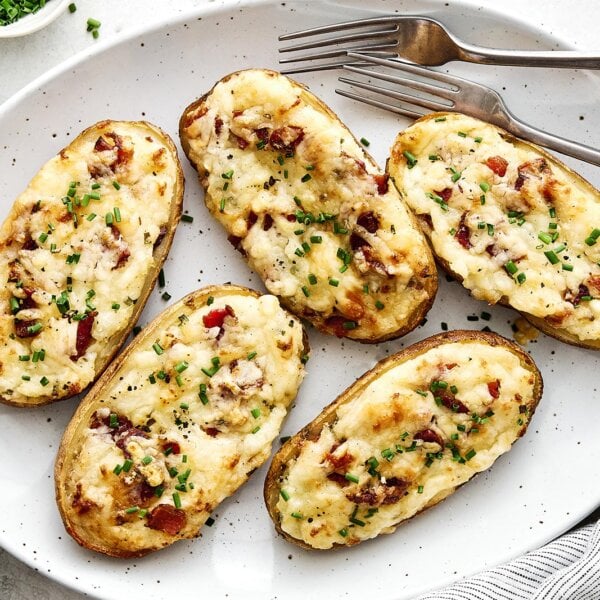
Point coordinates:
[[421, 40], [449, 93]]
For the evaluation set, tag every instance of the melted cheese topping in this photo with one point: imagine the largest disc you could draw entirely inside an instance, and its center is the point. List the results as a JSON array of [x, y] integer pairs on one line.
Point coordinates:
[[216, 395], [515, 225], [78, 244], [405, 441], [310, 211]]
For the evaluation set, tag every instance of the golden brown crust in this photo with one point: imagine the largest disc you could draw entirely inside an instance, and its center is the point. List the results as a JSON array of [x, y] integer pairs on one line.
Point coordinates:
[[425, 279], [311, 432], [113, 344], [69, 498]]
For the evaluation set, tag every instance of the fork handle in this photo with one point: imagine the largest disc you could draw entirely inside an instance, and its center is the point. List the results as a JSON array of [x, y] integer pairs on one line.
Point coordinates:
[[564, 59], [554, 142]]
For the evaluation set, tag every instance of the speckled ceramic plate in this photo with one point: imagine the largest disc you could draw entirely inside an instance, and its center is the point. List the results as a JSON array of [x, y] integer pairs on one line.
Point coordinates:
[[541, 488]]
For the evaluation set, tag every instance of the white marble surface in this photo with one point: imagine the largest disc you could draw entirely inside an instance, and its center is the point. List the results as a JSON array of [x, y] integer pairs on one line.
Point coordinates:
[[24, 59]]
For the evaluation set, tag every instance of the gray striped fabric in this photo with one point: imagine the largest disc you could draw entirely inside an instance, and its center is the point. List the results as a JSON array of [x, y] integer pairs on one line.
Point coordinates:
[[566, 569]]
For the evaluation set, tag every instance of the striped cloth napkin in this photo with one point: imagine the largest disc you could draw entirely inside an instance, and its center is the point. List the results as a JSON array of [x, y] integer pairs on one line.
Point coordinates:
[[566, 569]]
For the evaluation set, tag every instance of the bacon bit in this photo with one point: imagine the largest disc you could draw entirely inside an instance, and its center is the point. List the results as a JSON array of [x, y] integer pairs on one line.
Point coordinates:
[[427, 220], [237, 113], [30, 244], [429, 436], [382, 494], [338, 478], [22, 328], [356, 241], [171, 447], [449, 366], [102, 145], [251, 219], [339, 462], [81, 506], [557, 319], [286, 139], [262, 134], [444, 194], [218, 125], [216, 317], [267, 222], [372, 260], [381, 181], [28, 301], [497, 164], [575, 298], [492, 249], [140, 494], [537, 168], [236, 242], [335, 325], [162, 232], [241, 142], [449, 400], [212, 431], [167, 518], [370, 221], [84, 335], [463, 233], [494, 388]]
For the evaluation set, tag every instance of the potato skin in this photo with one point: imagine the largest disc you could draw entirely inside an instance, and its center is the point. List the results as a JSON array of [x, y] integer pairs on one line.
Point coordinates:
[[369, 319], [98, 533], [560, 188], [111, 343], [293, 447]]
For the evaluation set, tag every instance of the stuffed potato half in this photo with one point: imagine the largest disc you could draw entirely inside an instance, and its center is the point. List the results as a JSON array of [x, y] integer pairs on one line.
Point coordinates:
[[80, 251], [402, 438], [310, 211], [511, 222], [178, 421]]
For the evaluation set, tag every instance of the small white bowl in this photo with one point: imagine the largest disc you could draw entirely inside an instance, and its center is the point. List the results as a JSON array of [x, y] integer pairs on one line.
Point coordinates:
[[36, 21]]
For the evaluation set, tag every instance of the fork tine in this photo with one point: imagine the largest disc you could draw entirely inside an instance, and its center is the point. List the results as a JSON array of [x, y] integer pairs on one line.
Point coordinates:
[[338, 27], [398, 95], [384, 105], [411, 68], [344, 39], [321, 67], [422, 86], [379, 48]]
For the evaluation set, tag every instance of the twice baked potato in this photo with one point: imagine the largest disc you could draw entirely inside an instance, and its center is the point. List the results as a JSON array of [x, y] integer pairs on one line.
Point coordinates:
[[308, 208], [178, 421], [402, 438], [507, 219], [80, 251]]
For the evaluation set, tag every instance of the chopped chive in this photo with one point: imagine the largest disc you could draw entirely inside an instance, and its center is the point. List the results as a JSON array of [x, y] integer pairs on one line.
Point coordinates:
[[439, 119], [180, 367], [127, 465], [297, 515], [352, 478], [109, 218], [305, 291], [551, 256], [115, 306], [316, 239], [202, 394], [567, 267], [490, 229], [157, 348], [343, 532], [146, 460], [306, 177], [478, 139], [176, 500], [187, 218], [552, 213], [312, 279], [255, 412], [365, 141], [161, 278], [470, 454], [511, 267], [411, 159], [117, 213], [484, 186], [227, 174], [420, 489], [379, 305], [544, 237], [350, 325], [256, 429], [334, 282], [32, 329], [210, 300], [461, 134], [521, 277], [166, 296], [251, 355], [456, 175], [356, 521], [24, 357], [117, 470], [284, 494], [91, 216], [222, 205]]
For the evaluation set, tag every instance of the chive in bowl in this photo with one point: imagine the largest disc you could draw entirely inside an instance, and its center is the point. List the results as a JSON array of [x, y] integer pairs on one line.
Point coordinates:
[[32, 22]]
